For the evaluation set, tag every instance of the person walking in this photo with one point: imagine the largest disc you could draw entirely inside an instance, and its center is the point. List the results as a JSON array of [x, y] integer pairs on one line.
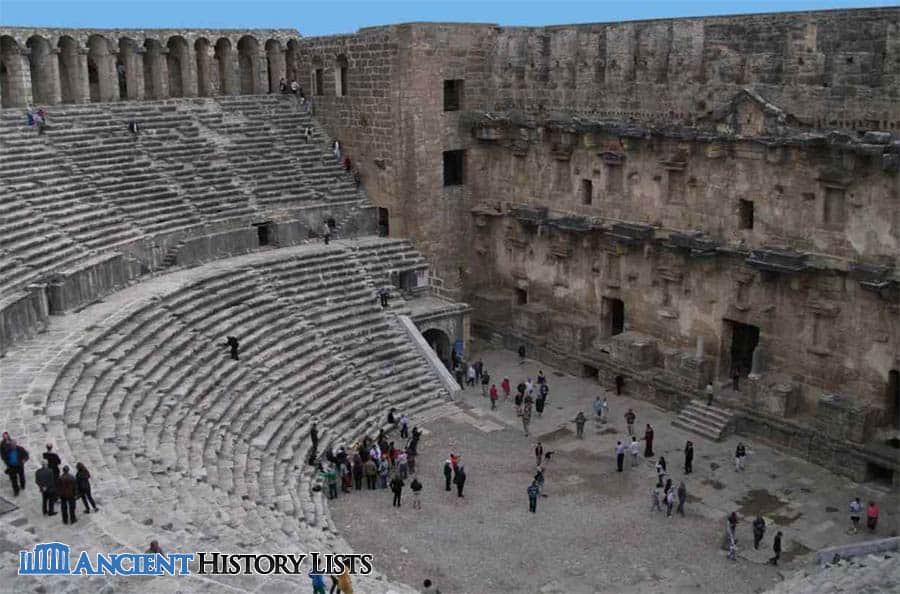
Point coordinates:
[[330, 477], [318, 582], [384, 471], [404, 427], [403, 464], [648, 441], [739, 455], [634, 449], [459, 479], [45, 479], [521, 354], [397, 489], [598, 408], [580, 419], [654, 499], [538, 453], [630, 417], [68, 492], [416, 487], [526, 413], [470, 375], [682, 498], [855, 513], [872, 513], [485, 381], [15, 458], [344, 584], [776, 548], [670, 502], [731, 535], [620, 456], [326, 232], [710, 392], [688, 457], [604, 411], [448, 473], [493, 395], [759, 530], [504, 385], [541, 399], [83, 482], [661, 470], [533, 491]]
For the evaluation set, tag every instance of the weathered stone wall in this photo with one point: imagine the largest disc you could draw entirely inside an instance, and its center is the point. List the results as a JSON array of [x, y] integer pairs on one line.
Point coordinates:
[[831, 68], [22, 315]]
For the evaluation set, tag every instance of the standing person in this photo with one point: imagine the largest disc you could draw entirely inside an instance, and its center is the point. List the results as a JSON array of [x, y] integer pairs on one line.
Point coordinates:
[[541, 378], [634, 449], [448, 473], [329, 475], [682, 498], [53, 460], [855, 513], [620, 456], [579, 425], [295, 87], [336, 150], [485, 382], [232, 343], [68, 491], [710, 392], [620, 382], [493, 395], [654, 499], [759, 530], [384, 470], [358, 471], [533, 491], [776, 548], [83, 482], [416, 487], [521, 354], [541, 399], [670, 502], [314, 436], [731, 536], [604, 410], [688, 457], [282, 86], [526, 413], [326, 232], [479, 369], [739, 455], [346, 477], [470, 375], [318, 580], [630, 417], [661, 470], [872, 513], [371, 472], [344, 583], [598, 408], [397, 489], [403, 464], [459, 479], [15, 459], [648, 441], [307, 134], [504, 385], [46, 482], [404, 427], [538, 453]]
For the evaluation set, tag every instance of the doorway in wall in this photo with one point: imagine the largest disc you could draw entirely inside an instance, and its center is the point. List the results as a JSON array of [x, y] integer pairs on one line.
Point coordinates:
[[615, 309], [744, 340], [893, 397]]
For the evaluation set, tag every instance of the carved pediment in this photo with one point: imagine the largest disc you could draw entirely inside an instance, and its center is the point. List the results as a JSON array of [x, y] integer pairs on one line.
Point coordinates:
[[750, 114]]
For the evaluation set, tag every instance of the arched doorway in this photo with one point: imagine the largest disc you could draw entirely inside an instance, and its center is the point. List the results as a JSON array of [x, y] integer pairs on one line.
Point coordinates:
[[440, 344], [178, 65], [201, 51], [275, 61], [70, 88], [341, 68], [44, 76], [248, 50], [101, 69], [225, 69], [128, 73], [292, 58], [11, 90], [154, 79]]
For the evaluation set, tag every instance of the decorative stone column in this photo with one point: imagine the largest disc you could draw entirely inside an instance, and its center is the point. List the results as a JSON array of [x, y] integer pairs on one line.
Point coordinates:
[[53, 72], [18, 75], [81, 89], [699, 354], [755, 370], [261, 83]]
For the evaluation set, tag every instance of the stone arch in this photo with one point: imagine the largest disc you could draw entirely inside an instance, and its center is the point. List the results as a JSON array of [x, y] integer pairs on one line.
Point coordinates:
[[178, 66], [44, 74], [201, 51], [129, 73], [341, 69], [71, 82], [248, 50], [101, 70], [275, 62], [292, 57], [155, 78], [12, 75], [440, 343], [224, 61]]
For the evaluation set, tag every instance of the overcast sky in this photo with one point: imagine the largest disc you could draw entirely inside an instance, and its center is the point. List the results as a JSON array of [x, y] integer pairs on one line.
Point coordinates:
[[321, 17]]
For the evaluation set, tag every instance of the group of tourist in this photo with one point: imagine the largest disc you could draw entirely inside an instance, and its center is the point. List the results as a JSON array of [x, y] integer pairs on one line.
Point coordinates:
[[294, 88], [54, 480], [36, 119]]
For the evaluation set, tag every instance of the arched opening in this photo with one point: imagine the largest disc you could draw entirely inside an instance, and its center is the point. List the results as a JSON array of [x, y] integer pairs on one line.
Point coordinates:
[[440, 344], [248, 50], [153, 70], [101, 77], [224, 62], [292, 58], [893, 397], [178, 66], [69, 68], [275, 61], [12, 91], [127, 69], [340, 76], [43, 71], [201, 50]]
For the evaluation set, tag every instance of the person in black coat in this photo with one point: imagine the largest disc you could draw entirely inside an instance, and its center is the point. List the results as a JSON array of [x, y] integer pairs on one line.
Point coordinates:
[[448, 473], [53, 460], [397, 489], [83, 481], [459, 479], [232, 343], [45, 479], [689, 457], [15, 458]]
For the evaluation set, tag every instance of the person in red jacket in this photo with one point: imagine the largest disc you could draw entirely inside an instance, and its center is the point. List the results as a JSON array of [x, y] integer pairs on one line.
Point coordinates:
[[493, 395], [872, 516], [504, 385]]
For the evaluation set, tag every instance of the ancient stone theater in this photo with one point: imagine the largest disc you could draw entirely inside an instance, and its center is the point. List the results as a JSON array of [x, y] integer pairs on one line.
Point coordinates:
[[686, 207]]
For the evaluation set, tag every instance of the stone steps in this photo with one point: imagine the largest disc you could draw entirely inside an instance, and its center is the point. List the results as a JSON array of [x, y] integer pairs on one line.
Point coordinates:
[[712, 422]]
